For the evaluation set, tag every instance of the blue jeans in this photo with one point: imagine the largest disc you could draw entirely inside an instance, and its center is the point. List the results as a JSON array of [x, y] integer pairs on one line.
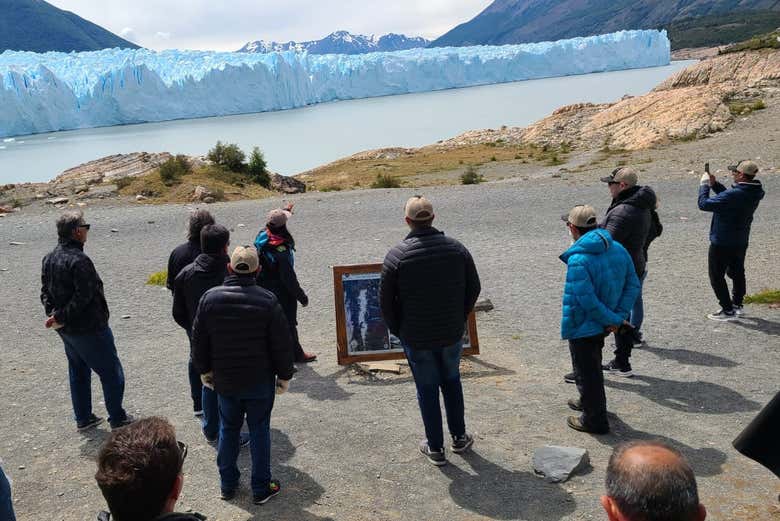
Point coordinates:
[[638, 311], [94, 352], [210, 421], [256, 406], [6, 505], [433, 370]]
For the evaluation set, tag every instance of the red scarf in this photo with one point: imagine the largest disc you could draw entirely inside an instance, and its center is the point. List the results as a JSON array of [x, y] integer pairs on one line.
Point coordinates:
[[273, 239]]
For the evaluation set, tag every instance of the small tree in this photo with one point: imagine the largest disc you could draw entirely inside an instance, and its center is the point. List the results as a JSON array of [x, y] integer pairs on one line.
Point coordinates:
[[228, 156], [258, 169]]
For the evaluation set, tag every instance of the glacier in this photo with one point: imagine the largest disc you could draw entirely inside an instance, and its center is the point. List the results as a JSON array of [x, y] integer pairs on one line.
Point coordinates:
[[58, 91]]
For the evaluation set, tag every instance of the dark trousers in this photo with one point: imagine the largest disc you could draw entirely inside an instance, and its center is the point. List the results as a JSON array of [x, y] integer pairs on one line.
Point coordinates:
[[727, 261], [297, 348], [624, 343], [255, 405], [196, 387], [6, 505], [433, 370], [586, 358], [89, 352]]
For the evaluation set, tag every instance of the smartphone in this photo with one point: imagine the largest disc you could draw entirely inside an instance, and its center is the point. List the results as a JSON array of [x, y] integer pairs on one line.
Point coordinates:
[[707, 167]]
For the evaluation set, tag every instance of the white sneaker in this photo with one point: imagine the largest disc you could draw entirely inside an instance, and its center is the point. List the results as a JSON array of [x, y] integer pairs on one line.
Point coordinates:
[[723, 316], [739, 310]]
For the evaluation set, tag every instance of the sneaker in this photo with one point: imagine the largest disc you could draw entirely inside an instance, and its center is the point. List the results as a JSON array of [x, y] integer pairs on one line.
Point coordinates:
[[576, 424], [739, 310], [198, 413], [569, 378], [434, 456], [575, 404], [273, 488], [211, 441], [227, 495], [93, 421], [461, 444], [243, 440], [618, 370], [127, 421], [723, 316]]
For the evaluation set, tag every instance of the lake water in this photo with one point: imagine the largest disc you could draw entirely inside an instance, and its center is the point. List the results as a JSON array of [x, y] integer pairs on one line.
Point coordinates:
[[296, 140]]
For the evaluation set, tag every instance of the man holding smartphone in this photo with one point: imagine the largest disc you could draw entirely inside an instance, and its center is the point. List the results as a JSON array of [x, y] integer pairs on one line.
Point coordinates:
[[732, 214]]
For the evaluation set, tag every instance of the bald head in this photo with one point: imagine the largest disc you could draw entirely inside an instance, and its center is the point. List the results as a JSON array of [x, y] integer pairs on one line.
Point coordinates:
[[651, 481]]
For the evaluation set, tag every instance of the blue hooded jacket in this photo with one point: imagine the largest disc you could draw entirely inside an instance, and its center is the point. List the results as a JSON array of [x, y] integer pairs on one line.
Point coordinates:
[[601, 285], [732, 211]]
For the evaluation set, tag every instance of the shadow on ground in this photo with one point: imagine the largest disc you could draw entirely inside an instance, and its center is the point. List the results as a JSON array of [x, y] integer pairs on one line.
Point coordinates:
[[317, 387], [693, 397], [688, 357], [486, 370], [93, 441], [759, 324], [498, 493]]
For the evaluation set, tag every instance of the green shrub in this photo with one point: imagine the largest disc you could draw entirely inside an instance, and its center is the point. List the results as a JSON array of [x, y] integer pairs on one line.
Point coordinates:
[[471, 177], [158, 279], [227, 156], [218, 194], [333, 188], [258, 169], [123, 182], [172, 170], [385, 181], [767, 296], [493, 158]]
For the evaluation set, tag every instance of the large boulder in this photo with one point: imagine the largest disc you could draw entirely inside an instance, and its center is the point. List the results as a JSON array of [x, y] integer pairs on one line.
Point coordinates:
[[556, 464], [286, 184]]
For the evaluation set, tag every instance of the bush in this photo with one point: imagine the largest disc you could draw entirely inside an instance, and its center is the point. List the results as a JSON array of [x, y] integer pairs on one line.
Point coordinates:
[[158, 279], [228, 156], [123, 182], [471, 177], [258, 170], [172, 170], [385, 181]]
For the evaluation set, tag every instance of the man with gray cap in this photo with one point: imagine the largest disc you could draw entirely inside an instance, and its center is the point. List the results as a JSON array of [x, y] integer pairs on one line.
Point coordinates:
[[428, 288], [732, 214], [601, 286], [242, 348]]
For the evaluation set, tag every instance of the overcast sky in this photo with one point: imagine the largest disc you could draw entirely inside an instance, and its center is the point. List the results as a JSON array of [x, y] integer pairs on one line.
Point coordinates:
[[226, 25]]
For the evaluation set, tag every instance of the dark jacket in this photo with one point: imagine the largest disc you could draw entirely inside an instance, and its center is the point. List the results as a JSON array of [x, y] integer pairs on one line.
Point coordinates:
[[629, 220], [208, 271], [173, 516], [241, 334], [429, 286], [732, 211], [72, 290], [278, 276], [180, 257], [759, 439]]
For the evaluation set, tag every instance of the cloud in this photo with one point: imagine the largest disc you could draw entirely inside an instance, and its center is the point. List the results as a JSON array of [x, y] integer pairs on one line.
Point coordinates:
[[162, 35], [128, 34]]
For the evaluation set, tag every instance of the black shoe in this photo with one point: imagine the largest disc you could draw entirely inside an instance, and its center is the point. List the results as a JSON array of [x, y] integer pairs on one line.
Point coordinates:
[[434, 456], [461, 444], [569, 378], [576, 424], [636, 338], [227, 495], [93, 421], [127, 421], [618, 369], [273, 488], [575, 404]]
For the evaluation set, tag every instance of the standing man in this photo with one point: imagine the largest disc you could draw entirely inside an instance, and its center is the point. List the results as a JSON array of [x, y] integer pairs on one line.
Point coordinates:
[[732, 214], [72, 296], [243, 348], [429, 286], [184, 255], [601, 287], [207, 271], [629, 221]]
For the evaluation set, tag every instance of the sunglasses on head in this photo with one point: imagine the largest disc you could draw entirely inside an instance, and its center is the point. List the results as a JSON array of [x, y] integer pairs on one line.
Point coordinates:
[[182, 453], [85, 226]]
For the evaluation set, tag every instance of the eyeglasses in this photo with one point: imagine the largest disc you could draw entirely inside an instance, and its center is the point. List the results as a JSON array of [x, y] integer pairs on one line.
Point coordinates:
[[610, 183], [182, 453], [85, 226]]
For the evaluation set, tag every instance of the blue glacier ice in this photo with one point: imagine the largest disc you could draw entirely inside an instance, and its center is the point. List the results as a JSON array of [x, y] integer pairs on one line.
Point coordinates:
[[58, 91]]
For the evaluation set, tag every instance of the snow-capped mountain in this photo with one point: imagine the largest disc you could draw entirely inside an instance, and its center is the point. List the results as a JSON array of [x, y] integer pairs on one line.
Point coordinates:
[[341, 42]]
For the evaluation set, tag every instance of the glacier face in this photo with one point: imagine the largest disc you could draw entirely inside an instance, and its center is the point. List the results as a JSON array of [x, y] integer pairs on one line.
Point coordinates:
[[57, 91]]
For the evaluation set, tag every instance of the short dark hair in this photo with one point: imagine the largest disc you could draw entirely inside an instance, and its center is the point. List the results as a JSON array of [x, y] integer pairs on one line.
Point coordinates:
[[69, 221], [417, 225], [652, 492], [198, 219], [137, 469], [214, 238]]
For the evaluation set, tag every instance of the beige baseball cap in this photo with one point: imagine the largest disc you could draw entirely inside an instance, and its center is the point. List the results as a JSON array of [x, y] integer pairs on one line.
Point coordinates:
[[581, 216], [244, 260], [277, 218], [746, 167], [624, 174], [418, 208]]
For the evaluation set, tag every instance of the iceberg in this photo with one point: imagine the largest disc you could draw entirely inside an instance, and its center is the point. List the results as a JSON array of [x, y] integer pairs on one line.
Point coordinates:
[[58, 91]]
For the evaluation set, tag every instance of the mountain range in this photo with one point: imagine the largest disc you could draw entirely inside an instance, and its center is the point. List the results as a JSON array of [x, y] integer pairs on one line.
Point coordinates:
[[341, 42], [34, 25], [521, 21]]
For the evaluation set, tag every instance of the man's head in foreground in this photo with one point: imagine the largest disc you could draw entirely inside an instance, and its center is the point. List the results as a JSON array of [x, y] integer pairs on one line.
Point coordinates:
[[418, 212], [651, 481], [580, 220], [140, 470]]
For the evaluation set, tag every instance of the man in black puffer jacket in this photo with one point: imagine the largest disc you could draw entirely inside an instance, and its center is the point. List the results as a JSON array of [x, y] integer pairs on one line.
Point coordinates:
[[242, 347], [208, 271], [429, 286], [629, 220], [186, 253]]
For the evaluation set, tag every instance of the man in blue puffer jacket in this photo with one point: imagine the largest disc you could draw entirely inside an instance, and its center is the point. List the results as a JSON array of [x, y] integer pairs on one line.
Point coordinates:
[[601, 288]]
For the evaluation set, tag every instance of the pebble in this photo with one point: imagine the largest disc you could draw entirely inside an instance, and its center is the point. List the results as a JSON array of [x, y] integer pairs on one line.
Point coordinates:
[[125, 317], [14, 243], [22, 467], [114, 230], [242, 225]]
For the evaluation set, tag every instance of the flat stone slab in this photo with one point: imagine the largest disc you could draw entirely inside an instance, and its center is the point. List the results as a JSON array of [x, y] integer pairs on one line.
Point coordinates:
[[557, 464]]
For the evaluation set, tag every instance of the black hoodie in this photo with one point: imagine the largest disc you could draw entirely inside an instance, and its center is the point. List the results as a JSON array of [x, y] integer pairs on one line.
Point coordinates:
[[206, 272], [629, 219]]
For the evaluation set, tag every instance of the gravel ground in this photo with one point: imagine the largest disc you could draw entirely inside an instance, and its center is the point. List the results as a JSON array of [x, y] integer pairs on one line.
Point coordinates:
[[344, 446]]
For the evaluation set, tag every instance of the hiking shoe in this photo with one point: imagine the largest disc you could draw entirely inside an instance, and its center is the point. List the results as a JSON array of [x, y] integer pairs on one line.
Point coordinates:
[[227, 495], [462, 443], [198, 413], [723, 315], [618, 370], [570, 378], [93, 421], [127, 421], [243, 440], [273, 488], [576, 424], [739, 310], [434, 456], [575, 404]]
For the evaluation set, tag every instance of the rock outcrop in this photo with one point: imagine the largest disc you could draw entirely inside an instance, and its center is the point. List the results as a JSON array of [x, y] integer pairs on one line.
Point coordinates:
[[111, 168]]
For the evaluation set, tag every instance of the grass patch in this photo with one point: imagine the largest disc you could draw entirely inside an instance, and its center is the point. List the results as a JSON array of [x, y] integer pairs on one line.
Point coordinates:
[[331, 188], [767, 296], [471, 177], [158, 279], [385, 181], [743, 108]]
